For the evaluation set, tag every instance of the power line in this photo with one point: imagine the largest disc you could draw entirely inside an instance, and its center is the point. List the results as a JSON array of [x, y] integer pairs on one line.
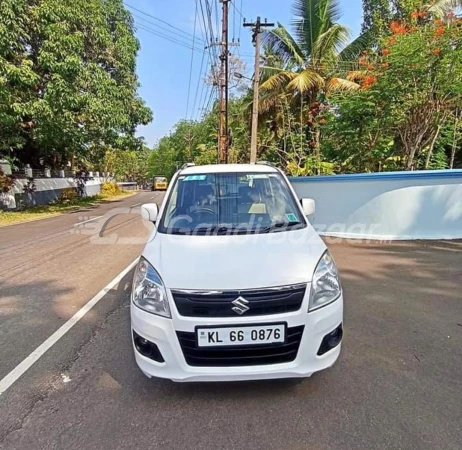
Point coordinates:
[[236, 9], [210, 101], [204, 84], [240, 28], [234, 22], [163, 29], [208, 30], [209, 36], [217, 19], [189, 35], [192, 61], [168, 38], [198, 85]]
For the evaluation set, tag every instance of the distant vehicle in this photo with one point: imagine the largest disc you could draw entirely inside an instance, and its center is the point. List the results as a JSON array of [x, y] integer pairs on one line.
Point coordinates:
[[235, 283], [159, 184]]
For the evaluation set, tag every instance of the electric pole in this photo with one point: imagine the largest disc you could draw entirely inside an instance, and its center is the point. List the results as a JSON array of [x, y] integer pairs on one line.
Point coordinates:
[[257, 29], [223, 142]]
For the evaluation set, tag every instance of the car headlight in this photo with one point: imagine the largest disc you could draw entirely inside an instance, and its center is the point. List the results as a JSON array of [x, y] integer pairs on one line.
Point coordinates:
[[148, 291], [325, 287]]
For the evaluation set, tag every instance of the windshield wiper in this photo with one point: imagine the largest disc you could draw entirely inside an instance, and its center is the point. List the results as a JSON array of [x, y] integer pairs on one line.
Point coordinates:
[[217, 229], [280, 225], [179, 231]]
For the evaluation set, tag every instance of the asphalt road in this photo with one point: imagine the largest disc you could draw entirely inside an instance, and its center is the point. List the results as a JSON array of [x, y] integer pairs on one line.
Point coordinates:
[[397, 384]]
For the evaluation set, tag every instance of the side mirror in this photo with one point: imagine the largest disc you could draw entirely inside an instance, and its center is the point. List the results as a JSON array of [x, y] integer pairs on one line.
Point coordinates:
[[149, 212], [309, 206]]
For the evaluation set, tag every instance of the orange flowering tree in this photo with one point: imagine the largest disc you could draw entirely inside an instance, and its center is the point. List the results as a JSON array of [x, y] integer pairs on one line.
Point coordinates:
[[413, 83]]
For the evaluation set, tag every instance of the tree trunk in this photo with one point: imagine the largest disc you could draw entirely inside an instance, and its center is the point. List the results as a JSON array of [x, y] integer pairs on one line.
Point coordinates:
[[317, 135], [410, 157], [454, 142], [432, 146], [453, 156]]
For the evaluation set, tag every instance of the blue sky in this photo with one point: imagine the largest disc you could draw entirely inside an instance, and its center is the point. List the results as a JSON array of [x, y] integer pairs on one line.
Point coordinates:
[[164, 66]]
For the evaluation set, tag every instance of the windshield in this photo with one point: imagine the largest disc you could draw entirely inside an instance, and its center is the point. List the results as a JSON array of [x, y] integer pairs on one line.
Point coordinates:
[[160, 180], [230, 202]]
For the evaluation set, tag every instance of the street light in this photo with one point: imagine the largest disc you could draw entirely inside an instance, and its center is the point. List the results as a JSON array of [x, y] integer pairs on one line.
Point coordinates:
[[239, 76]]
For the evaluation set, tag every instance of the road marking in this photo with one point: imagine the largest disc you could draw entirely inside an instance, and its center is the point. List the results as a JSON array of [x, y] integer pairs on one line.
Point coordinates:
[[26, 364], [136, 204], [89, 220]]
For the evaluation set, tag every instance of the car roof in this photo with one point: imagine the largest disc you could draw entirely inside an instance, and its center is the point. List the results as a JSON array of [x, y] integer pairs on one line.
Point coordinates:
[[229, 168]]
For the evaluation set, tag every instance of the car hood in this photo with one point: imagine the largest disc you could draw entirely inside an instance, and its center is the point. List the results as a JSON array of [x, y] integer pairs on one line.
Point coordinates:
[[235, 262]]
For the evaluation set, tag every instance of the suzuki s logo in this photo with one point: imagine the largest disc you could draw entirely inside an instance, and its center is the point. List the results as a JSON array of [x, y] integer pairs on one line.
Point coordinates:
[[240, 305]]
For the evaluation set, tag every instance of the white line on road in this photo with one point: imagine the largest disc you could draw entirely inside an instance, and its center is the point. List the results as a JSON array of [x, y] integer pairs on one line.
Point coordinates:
[[26, 364], [136, 204], [89, 220]]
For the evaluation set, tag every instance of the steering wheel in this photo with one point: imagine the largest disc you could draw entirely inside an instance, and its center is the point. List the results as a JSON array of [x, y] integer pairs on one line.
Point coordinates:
[[203, 210]]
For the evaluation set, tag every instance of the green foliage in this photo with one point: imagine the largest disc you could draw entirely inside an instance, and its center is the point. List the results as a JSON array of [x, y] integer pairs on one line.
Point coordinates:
[[378, 14], [110, 189], [415, 83], [404, 112], [127, 165], [67, 78], [68, 196], [355, 137], [196, 141], [6, 182]]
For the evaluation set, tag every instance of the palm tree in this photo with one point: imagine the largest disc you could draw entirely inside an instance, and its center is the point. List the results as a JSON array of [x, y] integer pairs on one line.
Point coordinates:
[[442, 7], [308, 63], [311, 58]]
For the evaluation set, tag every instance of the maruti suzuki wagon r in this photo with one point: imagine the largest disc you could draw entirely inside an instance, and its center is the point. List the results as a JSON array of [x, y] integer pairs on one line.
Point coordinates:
[[234, 283]]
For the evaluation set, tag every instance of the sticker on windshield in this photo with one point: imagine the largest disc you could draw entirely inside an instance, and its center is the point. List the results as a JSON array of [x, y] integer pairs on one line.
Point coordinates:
[[291, 217], [195, 178]]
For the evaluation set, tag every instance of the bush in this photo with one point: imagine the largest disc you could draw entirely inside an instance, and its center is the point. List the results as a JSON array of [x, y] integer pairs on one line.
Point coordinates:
[[110, 188], [6, 182], [68, 195]]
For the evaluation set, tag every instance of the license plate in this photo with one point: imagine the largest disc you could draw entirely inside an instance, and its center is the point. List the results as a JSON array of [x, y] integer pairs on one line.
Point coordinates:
[[233, 336]]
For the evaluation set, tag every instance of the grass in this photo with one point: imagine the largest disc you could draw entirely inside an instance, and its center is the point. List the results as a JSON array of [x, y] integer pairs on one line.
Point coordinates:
[[56, 209]]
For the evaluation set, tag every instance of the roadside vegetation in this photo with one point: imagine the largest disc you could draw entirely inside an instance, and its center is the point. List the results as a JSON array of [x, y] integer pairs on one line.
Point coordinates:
[[68, 84], [69, 200], [389, 100]]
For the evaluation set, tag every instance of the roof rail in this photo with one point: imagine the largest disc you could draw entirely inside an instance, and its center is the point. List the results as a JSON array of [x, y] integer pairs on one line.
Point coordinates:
[[266, 163], [185, 166]]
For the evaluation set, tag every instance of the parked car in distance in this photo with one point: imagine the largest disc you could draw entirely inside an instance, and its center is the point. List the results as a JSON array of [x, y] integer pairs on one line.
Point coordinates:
[[159, 184], [234, 283]]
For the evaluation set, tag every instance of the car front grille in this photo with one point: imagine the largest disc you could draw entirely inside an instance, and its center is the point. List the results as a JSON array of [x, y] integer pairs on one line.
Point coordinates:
[[220, 303], [257, 355]]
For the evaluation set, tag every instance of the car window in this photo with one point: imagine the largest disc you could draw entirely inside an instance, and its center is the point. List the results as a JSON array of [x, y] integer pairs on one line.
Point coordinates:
[[230, 201]]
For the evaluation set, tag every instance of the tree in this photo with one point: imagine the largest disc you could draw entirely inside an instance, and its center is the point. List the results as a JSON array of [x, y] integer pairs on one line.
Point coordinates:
[[427, 61], [67, 78], [411, 87], [357, 136], [127, 165], [309, 59], [309, 65], [378, 14]]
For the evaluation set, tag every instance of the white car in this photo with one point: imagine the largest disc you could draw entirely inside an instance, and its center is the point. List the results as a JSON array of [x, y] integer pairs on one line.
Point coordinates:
[[234, 283]]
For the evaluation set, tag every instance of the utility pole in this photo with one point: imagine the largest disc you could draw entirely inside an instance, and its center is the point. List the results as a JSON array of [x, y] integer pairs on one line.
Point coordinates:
[[223, 142], [189, 140], [257, 29]]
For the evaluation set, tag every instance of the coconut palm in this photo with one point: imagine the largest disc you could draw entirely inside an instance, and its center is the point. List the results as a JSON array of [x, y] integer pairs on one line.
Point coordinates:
[[313, 57], [306, 66], [442, 7]]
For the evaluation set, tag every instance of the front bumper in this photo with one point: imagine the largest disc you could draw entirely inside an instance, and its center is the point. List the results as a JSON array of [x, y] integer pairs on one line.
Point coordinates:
[[162, 332]]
